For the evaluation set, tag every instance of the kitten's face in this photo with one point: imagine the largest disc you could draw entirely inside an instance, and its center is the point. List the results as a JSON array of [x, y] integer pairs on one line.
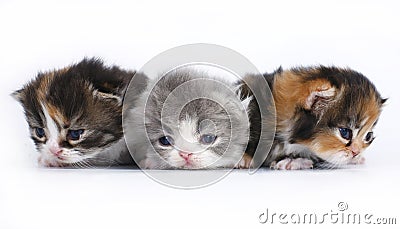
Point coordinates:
[[343, 138], [70, 121], [345, 111], [198, 140], [194, 133]]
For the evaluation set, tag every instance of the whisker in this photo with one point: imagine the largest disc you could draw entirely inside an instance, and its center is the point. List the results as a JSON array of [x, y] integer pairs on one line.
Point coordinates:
[[85, 164]]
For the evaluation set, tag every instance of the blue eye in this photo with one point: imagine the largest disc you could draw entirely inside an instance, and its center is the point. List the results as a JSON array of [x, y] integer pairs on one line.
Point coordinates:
[[346, 133], [40, 132], [75, 134], [166, 141], [207, 138]]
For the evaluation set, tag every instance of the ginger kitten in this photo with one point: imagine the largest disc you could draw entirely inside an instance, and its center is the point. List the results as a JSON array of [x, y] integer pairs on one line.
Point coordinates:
[[325, 117]]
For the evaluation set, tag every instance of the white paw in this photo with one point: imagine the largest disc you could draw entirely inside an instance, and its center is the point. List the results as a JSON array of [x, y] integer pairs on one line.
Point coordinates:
[[292, 164]]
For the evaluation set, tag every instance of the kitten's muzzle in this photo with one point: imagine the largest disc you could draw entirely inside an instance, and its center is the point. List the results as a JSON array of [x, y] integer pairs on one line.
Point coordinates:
[[355, 149], [56, 151], [185, 155]]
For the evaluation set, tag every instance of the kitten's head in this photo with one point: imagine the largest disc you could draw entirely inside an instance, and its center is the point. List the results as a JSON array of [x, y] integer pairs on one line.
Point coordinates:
[[75, 112], [343, 107], [195, 122]]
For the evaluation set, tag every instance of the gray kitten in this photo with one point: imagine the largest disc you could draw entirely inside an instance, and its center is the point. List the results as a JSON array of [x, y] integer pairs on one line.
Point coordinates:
[[188, 120]]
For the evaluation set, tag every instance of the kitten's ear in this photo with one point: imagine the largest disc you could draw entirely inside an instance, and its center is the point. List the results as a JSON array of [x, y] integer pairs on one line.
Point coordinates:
[[117, 86], [319, 96], [107, 97], [245, 102], [18, 95], [106, 80], [244, 97], [137, 83]]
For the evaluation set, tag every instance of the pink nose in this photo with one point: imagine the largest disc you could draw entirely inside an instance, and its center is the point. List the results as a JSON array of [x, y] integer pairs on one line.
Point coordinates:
[[355, 149], [185, 156], [355, 153], [56, 150]]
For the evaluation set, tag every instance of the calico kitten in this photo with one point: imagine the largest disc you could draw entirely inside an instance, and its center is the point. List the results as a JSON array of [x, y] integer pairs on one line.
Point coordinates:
[[74, 114], [325, 117], [192, 121]]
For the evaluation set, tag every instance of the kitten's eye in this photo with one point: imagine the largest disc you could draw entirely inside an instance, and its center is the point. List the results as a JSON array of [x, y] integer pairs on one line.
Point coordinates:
[[346, 133], [166, 141], [74, 134], [40, 132], [207, 138], [369, 137]]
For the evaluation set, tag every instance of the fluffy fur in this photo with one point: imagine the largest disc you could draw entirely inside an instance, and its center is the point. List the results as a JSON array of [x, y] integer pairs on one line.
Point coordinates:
[[189, 108], [74, 114], [325, 117]]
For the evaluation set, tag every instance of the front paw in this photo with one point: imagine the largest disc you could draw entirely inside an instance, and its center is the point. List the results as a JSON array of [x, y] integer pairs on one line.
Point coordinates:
[[292, 164], [245, 162]]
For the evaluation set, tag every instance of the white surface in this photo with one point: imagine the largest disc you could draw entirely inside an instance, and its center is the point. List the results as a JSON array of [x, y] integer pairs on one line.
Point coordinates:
[[42, 35]]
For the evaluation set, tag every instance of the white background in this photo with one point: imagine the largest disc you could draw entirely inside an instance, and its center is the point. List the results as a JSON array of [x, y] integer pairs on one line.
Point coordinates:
[[43, 35]]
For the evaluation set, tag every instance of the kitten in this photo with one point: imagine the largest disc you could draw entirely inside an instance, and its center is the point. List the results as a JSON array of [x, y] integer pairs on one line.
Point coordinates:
[[74, 115], [325, 117], [192, 121]]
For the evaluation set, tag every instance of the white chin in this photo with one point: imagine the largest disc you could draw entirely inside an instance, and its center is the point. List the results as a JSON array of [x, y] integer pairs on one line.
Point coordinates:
[[184, 165], [339, 159], [48, 161]]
